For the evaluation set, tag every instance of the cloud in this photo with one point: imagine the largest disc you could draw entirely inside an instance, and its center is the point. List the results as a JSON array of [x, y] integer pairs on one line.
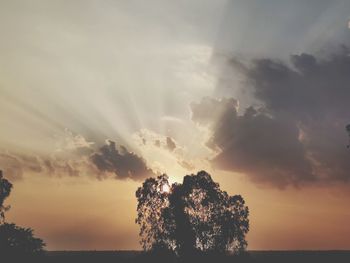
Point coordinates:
[[209, 109], [170, 144], [264, 148], [166, 153], [160, 141], [68, 157], [11, 166], [72, 142], [75, 156], [157, 143], [309, 88], [187, 165], [121, 162], [297, 134], [16, 165]]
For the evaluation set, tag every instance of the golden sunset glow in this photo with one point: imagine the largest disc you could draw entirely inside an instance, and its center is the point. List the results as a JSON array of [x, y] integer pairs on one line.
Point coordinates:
[[97, 96]]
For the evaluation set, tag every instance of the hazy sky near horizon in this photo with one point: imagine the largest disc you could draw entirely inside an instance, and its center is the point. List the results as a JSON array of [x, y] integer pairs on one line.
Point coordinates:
[[97, 95]]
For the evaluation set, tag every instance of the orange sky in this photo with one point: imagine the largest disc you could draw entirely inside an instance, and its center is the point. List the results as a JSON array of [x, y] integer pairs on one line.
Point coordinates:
[[72, 213]]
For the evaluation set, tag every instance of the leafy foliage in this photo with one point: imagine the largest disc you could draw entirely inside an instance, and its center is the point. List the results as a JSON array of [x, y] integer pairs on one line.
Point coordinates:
[[151, 202], [15, 240], [195, 216], [5, 190]]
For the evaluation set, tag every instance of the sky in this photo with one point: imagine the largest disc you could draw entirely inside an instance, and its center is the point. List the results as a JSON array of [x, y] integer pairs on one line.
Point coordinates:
[[96, 96]]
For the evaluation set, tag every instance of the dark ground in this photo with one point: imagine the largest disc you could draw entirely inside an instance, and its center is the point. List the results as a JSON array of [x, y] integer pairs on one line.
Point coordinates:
[[135, 257]]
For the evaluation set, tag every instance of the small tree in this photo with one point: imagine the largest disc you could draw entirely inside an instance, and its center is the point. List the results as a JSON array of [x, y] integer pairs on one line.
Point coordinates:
[[193, 216], [14, 240], [5, 190]]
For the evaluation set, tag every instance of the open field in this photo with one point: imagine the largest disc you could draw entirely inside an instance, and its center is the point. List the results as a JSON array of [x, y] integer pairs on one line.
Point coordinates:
[[253, 256]]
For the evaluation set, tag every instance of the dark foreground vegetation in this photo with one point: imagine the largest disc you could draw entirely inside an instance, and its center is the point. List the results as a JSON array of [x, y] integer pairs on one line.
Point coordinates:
[[140, 257], [190, 222], [15, 241], [191, 218]]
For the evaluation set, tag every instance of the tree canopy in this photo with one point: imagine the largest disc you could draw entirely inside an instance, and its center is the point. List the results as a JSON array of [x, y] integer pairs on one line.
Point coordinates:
[[195, 216]]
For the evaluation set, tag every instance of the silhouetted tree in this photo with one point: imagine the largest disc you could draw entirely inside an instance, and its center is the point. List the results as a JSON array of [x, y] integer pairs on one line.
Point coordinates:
[[14, 240], [18, 241], [195, 216], [178, 219], [152, 199], [5, 190]]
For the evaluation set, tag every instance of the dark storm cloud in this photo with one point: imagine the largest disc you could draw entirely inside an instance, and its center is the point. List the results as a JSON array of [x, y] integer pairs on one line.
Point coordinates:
[[120, 161], [309, 88], [297, 135], [264, 148]]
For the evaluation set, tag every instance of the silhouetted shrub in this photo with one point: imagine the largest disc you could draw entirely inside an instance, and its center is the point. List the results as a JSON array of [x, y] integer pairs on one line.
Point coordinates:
[[15, 241], [5, 190], [18, 241]]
